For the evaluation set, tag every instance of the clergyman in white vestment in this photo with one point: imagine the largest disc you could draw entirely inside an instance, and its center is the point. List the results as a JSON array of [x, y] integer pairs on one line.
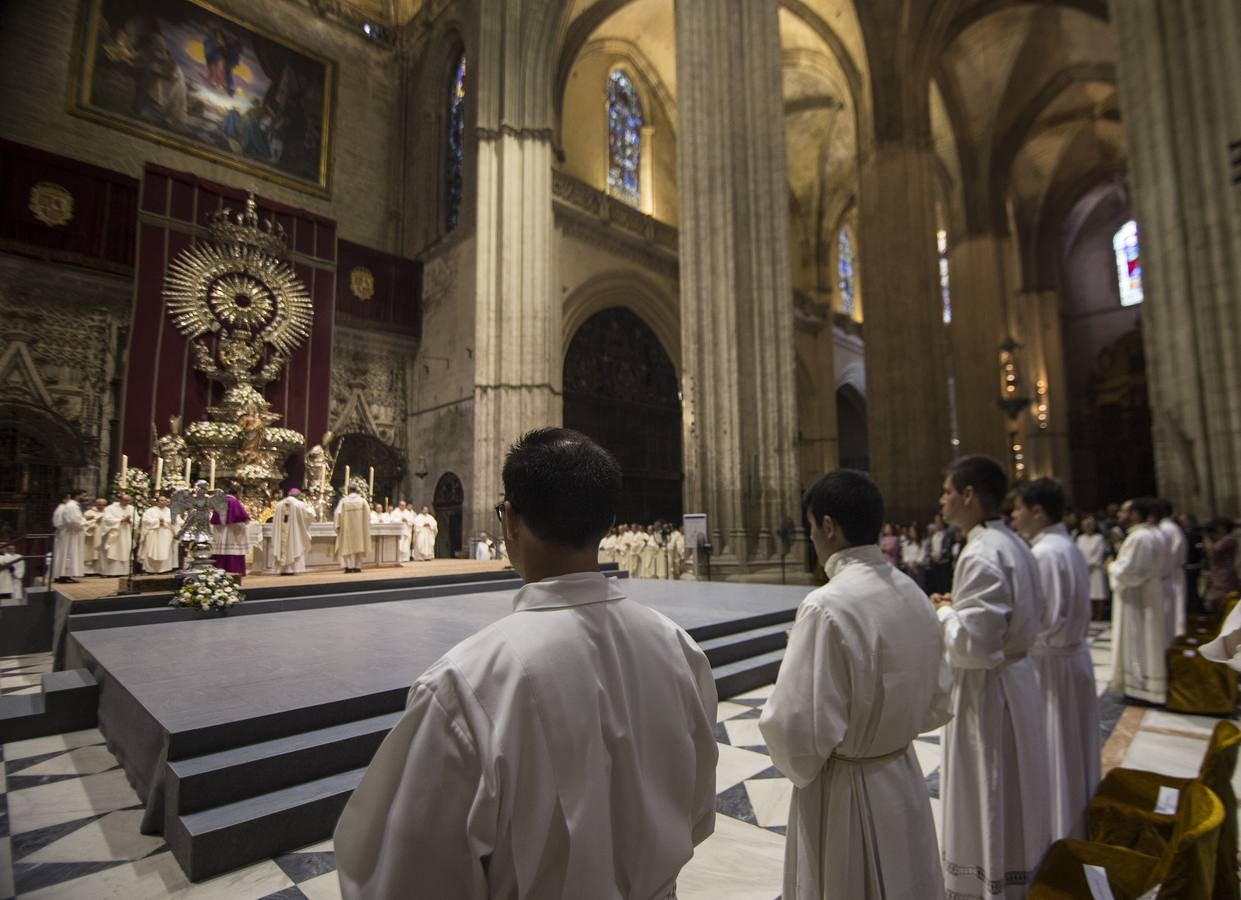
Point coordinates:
[[1062, 656], [157, 547], [1093, 545], [290, 533], [863, 676], [565, 751], [405, 516], [1139, 613], [994, 779], [93, 564], [1174, 572], [425, 530], [117, 542], [353, 530], [70, 545]]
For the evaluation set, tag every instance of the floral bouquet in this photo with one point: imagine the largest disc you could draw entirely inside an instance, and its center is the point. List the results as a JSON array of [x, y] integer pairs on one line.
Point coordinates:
[[202, 434], [285, 439], [213, 589], [360, 483], [136, 483]]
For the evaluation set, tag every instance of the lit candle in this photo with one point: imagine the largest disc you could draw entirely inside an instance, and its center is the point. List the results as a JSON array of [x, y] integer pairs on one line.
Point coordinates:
[[159, 472], [211, 476], [370, 483], [124, 466], [187, 473], [346, 488]]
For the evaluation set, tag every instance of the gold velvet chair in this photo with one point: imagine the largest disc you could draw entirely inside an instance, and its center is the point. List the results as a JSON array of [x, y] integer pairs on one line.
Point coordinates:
[[1196, 684], [1122, 811], [1184, 867]]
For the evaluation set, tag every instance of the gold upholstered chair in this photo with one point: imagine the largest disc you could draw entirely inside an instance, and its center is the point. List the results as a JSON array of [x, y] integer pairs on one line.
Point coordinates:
[[1184, 868], [1122, 811], [1196, 684]]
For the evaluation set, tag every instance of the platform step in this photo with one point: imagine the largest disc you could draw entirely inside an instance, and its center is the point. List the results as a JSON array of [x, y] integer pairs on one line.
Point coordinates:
[[233, 775], [68, 701], [744, 675], [745, 644], [704, 633], [226, 837]]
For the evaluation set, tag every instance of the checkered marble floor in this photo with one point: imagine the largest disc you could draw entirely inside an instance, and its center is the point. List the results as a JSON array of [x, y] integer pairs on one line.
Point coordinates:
[[69, 819]]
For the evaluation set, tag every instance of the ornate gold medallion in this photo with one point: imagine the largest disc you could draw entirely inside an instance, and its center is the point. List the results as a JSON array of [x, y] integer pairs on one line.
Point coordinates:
[[51, 204], [362, 283]]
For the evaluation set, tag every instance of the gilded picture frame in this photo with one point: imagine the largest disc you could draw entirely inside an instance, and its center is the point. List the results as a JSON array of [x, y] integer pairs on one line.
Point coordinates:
[[187, 75]]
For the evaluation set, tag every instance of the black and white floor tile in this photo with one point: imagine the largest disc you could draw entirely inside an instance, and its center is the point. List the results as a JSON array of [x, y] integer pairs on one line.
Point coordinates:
[[69, 821]]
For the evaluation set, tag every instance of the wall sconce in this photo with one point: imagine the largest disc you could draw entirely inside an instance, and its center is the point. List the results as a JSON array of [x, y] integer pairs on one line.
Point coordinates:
[[1040, 403], [421, 471], [1019, 455], [1012, 399]]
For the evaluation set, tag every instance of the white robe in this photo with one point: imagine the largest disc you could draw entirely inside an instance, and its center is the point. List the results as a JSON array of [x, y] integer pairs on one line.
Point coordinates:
[[482, 550], [117, 524], [1093, 547], [676, 547], [566, 751], [1139, 620], [425, 530], [69, 549], [157, 551], [290, 535], [93, 563], [863, 676], [994, 782], [1174, 578], [607, 549], [12, 575], [405, 546], [1066, 676]]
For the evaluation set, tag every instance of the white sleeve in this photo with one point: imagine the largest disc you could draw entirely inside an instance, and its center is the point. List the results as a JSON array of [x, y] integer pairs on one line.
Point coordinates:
[[805, 718], [1134, 565], [976, 625], [422, 821]]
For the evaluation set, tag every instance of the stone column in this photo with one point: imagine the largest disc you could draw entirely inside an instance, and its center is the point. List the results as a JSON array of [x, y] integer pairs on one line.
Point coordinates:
[[736, 295], [1038, 315], [980, 296], [517, 333], [1181, 104], [906, 380]]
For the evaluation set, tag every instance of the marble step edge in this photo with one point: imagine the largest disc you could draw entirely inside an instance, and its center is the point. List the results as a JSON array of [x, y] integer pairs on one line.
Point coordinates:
[[745, 644]]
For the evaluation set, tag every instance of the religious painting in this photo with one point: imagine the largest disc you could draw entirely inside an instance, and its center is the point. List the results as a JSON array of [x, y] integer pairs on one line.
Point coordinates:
[[182, 73]]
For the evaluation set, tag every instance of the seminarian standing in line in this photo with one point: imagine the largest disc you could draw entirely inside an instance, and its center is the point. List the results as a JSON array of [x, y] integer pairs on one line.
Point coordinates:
[[70, 546], [994, 778], [864, 675], [1062, 656], [565, 751], [1139, 605]]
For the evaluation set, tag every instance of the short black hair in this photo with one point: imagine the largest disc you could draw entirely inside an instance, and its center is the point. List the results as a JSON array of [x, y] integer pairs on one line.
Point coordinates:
[[851, 499], [563, 485], [1145, 506], [1164, 507], [985, 476], [1044, 492]]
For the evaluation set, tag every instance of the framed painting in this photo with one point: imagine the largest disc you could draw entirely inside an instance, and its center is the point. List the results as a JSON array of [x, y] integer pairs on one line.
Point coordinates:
[[185, 74]]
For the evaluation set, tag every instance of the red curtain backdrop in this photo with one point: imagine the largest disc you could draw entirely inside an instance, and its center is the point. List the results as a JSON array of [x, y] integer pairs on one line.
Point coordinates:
[[396, 301], [160, 381], [104, 209]]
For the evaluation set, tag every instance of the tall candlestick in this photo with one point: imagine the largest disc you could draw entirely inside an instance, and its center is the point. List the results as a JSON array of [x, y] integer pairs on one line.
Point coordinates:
[[346, 488], [124, 466], [370, 484], [211, 476], [187, 474], [159, 473]]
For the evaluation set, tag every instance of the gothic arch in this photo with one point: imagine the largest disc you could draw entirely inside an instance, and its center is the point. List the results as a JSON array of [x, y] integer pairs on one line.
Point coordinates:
[[448, 504], [634, 291]]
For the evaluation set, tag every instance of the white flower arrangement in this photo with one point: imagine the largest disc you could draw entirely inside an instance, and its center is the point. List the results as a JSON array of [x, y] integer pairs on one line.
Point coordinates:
[[136, 483], [242, 394], [361, 484], [251, 472], [285, 439], [214, 432], [213, 589]]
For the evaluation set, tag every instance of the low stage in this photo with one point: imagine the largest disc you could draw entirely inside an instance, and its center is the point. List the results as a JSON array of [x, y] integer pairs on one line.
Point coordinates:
[[245, 734]]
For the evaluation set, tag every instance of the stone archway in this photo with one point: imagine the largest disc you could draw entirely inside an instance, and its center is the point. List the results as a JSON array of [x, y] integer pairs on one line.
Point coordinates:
[[38, 451], [359, 451], [851, 426], [448, 503], [620, 388]]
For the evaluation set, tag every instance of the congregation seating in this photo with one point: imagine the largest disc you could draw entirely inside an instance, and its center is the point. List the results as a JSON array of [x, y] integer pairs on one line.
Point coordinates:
[[1184, 865]]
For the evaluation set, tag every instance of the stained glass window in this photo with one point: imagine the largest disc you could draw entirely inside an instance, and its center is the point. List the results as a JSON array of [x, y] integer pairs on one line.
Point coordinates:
[[945, 294], [1128, 264], [844, 268], [455, 169], [624, 138]]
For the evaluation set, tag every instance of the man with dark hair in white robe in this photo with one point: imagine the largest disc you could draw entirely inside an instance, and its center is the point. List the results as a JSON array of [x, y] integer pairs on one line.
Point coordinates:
[[70, 546], [1139, 608]]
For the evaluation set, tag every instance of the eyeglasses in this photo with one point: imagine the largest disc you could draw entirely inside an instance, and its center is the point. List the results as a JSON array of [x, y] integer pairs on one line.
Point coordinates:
[[500, 511]]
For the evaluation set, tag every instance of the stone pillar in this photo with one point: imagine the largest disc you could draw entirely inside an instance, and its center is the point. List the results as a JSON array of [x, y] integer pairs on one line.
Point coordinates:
[[906, 380], [980, 295], [1038, 315], [1181, 104], [736, 295], [517, 333]]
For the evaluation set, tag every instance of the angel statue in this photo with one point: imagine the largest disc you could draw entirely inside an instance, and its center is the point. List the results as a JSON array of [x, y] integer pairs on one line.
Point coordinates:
[[197, 505], [320, 462]]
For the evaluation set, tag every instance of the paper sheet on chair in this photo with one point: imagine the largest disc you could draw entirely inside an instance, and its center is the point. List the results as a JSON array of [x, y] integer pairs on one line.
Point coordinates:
[[1167, 800], [1096, 880]]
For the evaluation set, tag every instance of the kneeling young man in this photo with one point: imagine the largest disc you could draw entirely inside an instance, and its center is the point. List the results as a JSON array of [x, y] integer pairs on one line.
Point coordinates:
[[565, 751], [863, 676]]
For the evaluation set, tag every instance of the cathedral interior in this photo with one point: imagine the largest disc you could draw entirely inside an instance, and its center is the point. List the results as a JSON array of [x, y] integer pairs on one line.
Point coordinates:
[[740, 244]]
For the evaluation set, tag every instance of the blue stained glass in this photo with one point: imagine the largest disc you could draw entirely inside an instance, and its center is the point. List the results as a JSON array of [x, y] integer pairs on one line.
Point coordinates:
[[1128, 264], [454, 175], [624, 138], [844, 268]]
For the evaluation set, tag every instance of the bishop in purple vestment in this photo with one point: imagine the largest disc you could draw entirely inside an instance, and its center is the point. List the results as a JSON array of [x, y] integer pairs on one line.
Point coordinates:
[[229, 535]]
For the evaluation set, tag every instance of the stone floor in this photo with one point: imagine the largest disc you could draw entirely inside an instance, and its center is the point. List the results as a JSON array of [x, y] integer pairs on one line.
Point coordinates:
[[69, 819]]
